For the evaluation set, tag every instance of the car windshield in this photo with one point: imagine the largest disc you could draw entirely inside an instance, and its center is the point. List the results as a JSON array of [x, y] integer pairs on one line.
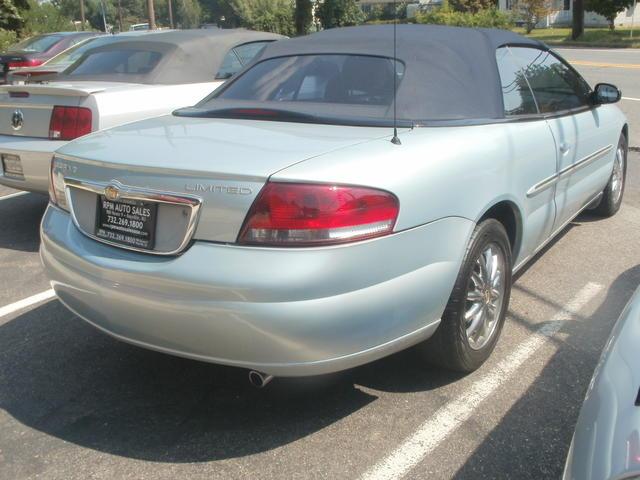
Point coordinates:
[[72, 54], [122, 62], [345, 85], [39, 44]]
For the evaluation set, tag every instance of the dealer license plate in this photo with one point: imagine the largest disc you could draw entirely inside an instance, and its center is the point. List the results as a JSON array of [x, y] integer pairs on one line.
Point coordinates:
[[127, 222]]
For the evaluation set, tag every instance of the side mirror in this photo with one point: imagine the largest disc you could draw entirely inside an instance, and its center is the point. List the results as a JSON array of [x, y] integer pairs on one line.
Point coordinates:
[[606, 93]]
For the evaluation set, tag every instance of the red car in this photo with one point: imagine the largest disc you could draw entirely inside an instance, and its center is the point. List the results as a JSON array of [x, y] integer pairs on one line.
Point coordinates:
[[38, 49]]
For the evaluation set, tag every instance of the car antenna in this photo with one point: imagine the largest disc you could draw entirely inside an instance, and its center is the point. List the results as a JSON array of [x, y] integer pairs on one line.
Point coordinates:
[[395, 140]]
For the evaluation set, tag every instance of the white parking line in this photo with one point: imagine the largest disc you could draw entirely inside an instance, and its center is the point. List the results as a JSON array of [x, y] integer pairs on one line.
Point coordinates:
[[13, 195], [448, 418], [631, 98], [26, 302]]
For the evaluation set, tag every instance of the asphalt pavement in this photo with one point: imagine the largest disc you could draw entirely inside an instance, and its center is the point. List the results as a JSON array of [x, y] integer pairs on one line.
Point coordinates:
[[618, 66], [77, 404]]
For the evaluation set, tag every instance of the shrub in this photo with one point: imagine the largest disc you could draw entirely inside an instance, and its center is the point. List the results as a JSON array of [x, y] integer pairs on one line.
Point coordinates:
[[7, 38], [488, 18]]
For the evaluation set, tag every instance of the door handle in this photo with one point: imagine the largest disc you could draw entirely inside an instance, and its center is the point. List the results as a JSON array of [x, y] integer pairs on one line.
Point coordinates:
[[564, 148]]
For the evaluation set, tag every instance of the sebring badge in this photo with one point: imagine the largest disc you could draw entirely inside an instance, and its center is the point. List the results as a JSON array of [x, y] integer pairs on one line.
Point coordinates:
[[17, 119], [112, 193]]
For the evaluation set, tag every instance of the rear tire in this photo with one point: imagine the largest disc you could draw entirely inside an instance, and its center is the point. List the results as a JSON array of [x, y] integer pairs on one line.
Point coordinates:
[[474, 316], [612, 194]]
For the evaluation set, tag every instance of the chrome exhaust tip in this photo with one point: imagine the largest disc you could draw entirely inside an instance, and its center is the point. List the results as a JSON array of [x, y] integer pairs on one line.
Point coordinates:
[[259, 379]]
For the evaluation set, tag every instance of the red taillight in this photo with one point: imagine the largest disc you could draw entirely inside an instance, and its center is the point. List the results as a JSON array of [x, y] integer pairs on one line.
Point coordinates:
[[307, 214], [32, 62], [68, 123]]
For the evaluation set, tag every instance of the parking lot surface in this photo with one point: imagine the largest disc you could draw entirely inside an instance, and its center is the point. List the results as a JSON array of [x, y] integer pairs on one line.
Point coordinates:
[[77, 404]]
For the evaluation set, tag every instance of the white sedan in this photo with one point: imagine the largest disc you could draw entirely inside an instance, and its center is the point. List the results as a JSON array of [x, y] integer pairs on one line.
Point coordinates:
[[111, 85]]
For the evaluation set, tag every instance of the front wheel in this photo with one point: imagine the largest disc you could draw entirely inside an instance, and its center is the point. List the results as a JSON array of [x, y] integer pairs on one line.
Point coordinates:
[[473, 318], [612, 193]]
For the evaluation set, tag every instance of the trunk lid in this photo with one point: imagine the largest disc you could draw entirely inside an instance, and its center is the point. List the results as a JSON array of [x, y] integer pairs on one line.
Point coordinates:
[[25, 110], [214, 148], [222, 163]]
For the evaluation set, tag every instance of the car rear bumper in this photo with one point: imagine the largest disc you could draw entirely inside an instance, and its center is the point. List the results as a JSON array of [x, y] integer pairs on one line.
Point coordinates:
[[35, 155], [286, 312]]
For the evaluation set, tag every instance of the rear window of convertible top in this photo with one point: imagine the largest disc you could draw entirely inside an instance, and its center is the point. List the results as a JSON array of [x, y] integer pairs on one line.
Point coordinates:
[[331, 79], [125, 61]]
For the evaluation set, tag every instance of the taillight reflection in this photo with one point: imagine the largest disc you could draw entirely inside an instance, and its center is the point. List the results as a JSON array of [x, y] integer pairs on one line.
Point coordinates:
[[32, 62]]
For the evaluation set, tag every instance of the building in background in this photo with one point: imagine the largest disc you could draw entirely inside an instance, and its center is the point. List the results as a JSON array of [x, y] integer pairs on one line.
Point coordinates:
[[561, 14]]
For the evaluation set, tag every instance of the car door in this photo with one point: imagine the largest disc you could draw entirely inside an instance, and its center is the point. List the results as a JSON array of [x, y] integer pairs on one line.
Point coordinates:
[[532, 153], [581, 137]]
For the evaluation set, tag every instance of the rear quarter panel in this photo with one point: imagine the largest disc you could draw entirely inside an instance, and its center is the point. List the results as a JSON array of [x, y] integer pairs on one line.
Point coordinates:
[[452, 172]]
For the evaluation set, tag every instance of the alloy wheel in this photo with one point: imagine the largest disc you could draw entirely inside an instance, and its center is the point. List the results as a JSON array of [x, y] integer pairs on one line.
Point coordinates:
[[485, 295], [617, 178]]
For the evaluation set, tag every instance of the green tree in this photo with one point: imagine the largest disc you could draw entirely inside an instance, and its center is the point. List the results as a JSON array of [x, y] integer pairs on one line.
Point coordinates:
[[609, 9], [532, 11], [220, 12], [339, 13], [472, 6], [186, 13], [386, 12], [44, 18], [303, 16], [10, 16], [93, 11], [266, 15]]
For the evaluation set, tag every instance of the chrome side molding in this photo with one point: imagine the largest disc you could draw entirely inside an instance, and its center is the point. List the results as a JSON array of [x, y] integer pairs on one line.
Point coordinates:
[[553, 179]]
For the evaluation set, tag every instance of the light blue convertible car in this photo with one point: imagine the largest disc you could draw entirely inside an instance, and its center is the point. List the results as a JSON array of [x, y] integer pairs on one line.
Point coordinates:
[[280, 225]]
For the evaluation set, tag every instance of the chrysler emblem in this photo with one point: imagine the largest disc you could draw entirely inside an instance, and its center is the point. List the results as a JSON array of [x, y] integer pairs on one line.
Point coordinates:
[[17, 119], [112, 192]]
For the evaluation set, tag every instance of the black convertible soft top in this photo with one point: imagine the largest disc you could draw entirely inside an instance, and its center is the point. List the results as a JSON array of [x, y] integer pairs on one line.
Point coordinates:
[[450, 72], [187, 56]]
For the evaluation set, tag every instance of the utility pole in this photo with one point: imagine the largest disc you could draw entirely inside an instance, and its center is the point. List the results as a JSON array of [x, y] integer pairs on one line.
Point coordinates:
[[120, 15], [633, 17], [578, 19], [170, 13], [104, 17], [82, 19], [152, 15]]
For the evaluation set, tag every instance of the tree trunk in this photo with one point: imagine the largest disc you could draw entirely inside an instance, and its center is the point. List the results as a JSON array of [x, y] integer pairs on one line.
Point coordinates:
[[612, 23], [152, 15], [170, 13], [120, 15], [82, 19], [578, 19], [303, 16]]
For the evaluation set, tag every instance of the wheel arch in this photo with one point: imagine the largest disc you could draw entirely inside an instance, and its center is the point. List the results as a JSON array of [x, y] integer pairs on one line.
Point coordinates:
[[508, 213]]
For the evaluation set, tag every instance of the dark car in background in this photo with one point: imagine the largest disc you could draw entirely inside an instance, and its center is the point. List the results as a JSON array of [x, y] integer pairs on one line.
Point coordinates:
[[48, 70], [38, 49]]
